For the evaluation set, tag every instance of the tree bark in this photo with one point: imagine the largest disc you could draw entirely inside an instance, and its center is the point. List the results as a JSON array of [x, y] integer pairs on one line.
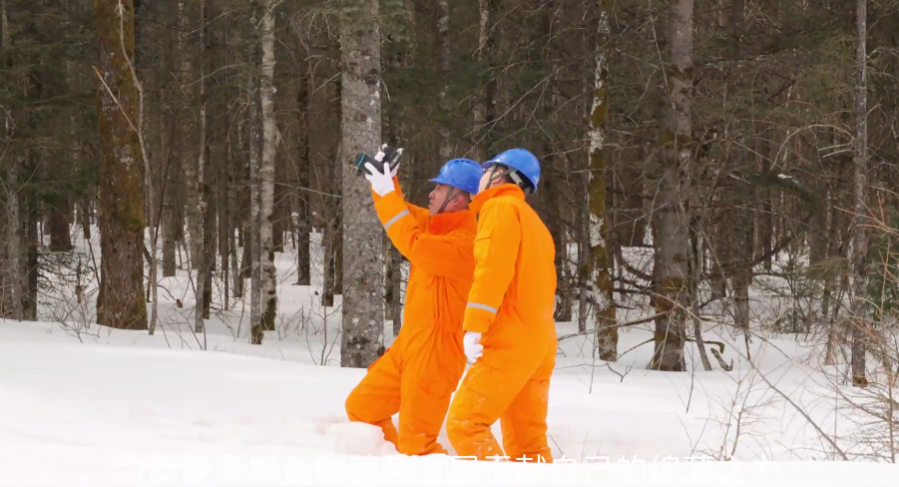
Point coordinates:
[[554, 182], [197, 187], [393, 286], [605, 309], [485, 108], [362, 308], [253, 240], [31, 271], [602, 296], [672, 294], [120, 303], [11, 303], [304, 221], [860, 324], [267, 170], [443, 40], [60, 216], [189, 157]]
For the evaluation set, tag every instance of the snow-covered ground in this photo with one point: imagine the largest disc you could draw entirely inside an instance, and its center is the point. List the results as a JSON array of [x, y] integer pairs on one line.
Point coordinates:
[[85, 405]]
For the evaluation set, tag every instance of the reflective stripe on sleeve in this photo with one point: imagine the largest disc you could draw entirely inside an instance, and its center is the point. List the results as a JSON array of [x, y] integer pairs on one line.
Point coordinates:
[[482, 306], [395, 219]]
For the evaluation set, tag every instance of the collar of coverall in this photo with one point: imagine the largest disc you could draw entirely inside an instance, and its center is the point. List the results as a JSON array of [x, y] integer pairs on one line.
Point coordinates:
[[488, 194], [447, 222]]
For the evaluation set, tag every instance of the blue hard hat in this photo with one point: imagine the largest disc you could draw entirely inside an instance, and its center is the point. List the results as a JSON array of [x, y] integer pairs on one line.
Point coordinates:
[[463, 174], [522, 161]]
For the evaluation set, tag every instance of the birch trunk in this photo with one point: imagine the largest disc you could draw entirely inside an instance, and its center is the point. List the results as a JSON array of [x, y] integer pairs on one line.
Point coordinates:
[[251, 243], [269, 304], [120, 303], [362, 308], [602, 298], [860, 327], [672, 296]]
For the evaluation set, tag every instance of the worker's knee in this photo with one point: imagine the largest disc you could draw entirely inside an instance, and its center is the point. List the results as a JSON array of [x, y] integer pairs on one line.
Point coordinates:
[[457, 426], [355, 407]]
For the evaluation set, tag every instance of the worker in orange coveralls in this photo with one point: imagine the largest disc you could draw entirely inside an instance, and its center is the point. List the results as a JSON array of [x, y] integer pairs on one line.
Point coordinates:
[[417, 375], [510, 334]]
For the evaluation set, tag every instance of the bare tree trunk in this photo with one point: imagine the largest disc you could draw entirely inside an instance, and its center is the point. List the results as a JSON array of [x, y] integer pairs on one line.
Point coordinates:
[[169, 217], [393, 286], [554, 184], [11, 303], [331, 239], [443, 16], [120, 303], [267, 170], [60, 216], [84, 216], [743, 273], [304, 221], [766, 216], [696, 253], [485, 107], [189, 162], [234, 209], [606, 323], [198, 188], [12, 273], [30, 254], [252, 240], [672, 239], [362, 308], [280, 207], [860, 326]]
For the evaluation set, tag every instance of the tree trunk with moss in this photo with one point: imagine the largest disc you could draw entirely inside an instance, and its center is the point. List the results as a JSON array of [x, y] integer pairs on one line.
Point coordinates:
[[120, 303], [602, 298], [672, 237]]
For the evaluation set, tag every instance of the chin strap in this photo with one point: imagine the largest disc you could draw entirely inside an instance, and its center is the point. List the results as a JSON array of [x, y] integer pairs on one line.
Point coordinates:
[[449, 196], [513, 175]]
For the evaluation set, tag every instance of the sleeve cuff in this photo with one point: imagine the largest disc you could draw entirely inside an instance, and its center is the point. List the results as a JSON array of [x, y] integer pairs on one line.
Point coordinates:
[[478, 319]]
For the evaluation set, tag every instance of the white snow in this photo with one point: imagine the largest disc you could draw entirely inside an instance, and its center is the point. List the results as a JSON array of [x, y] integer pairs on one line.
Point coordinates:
[[83, 405]]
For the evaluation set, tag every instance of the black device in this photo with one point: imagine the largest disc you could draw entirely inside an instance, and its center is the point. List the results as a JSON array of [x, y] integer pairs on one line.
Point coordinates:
[[391, 156]]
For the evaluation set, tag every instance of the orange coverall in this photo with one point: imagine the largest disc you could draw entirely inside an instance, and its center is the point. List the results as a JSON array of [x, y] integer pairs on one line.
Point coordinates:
[[417, 375], [511, 303]]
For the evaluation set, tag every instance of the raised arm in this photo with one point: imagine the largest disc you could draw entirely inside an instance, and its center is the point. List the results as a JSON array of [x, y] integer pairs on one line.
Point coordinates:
[[449, 255]]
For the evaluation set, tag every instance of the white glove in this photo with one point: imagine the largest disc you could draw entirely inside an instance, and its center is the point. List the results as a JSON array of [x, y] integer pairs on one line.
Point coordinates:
[[381, 183], [473, 349], [380, 158]]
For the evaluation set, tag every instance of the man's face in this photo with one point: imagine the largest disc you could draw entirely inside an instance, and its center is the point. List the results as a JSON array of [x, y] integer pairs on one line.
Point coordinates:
[[485, 181], [438, 196], [491, 175]]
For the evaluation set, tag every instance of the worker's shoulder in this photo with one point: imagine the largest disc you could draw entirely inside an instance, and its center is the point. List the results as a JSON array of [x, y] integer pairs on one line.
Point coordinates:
[[505, 203]]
